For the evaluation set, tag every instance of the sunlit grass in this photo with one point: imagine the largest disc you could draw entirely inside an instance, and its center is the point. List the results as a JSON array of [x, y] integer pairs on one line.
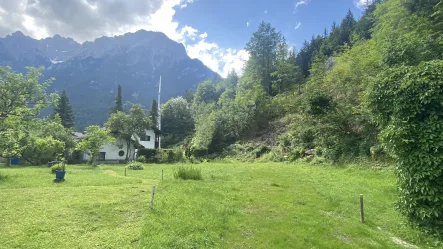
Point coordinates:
[[236, 205]]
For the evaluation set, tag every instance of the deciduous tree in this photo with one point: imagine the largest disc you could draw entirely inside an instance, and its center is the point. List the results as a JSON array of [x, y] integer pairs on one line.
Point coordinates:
[[93, 140]]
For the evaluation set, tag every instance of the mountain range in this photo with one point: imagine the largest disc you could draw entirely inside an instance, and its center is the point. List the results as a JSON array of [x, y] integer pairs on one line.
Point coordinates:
[[90, 72]]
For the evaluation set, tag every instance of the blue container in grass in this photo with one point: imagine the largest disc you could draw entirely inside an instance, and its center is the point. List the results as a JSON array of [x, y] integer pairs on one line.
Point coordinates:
[[15, 161], [60, 174]]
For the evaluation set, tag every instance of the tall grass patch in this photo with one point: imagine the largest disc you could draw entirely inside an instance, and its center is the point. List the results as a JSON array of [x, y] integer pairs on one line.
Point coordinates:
[[188, 173]]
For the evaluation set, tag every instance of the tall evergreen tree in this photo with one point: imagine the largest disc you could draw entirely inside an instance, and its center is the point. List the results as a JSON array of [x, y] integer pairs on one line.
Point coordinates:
[[154, 113], [364, 26], [346, 28], [263, 47], [232, 79], [189, 96], [118, 101], [64, 109]]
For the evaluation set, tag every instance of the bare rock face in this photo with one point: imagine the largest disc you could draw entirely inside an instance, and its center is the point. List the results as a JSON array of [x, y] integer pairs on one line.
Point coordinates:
[[90, 72]]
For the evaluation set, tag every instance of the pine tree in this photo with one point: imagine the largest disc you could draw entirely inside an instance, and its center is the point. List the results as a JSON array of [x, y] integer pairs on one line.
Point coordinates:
[[232, 79], [154, 113], [189, 95], [263, 48], [346, 28], [118, 101], [64, 109]]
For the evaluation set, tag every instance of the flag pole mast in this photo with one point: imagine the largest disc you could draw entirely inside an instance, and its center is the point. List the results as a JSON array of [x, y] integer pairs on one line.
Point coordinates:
[[159, 112]]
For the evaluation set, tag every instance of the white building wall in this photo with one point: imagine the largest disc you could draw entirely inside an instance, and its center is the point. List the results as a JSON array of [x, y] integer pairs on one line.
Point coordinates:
[[149, 144], [112, 151]]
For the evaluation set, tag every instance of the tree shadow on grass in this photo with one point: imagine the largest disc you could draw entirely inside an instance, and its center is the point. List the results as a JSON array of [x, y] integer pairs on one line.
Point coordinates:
[[3, 178]]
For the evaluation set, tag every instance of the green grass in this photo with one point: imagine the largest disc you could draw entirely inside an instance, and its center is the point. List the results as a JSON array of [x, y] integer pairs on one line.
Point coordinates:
[[236, 205]]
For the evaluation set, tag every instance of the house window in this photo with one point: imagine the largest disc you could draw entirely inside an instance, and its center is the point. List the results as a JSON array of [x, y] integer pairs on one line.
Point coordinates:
[[121, 153], [102, 156], [145, 138]]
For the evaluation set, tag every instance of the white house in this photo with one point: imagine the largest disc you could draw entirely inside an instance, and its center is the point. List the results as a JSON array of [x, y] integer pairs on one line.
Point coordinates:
[[116, 152]]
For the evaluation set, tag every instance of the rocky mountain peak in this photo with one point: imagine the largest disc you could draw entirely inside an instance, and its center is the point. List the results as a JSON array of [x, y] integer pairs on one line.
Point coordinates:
[[91, 71]]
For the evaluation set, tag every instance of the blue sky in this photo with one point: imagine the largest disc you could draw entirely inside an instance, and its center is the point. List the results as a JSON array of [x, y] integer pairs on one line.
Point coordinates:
[[225, 26], [226, 21], [214, 31]]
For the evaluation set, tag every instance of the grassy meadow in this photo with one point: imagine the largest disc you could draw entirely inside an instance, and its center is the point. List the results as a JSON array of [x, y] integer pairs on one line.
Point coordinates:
[[236, 205]]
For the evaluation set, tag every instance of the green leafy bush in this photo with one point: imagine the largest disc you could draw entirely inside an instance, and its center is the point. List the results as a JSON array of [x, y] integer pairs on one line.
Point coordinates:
[[272, 156], [141, 159], [169, 155], [242, 152], [261, 150], [149, 154], [58, 167], [41, 150], [135, 166], [407, 103], [198, 152], [188, 173], [319, 104], [161, 155]]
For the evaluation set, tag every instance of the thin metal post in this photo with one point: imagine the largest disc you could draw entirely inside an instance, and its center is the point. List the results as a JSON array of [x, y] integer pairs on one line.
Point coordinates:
[[159, 112]]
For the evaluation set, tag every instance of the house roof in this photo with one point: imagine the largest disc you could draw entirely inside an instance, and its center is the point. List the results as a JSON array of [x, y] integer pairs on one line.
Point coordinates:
[[156, 130], [78, 135]]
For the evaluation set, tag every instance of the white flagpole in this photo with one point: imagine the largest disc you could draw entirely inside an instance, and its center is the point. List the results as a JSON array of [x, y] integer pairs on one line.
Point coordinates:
[[159, 112]]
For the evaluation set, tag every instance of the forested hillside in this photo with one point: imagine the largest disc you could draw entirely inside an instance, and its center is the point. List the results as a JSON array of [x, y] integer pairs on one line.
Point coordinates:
[[367, 88]]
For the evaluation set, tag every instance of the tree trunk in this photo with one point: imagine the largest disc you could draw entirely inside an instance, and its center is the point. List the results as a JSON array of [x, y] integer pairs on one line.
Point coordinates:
[[128, 145], [92, 158]]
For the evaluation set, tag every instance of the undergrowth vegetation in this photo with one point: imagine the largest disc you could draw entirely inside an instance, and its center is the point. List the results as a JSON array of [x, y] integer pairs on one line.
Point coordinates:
[[135, 166], [188, 173]]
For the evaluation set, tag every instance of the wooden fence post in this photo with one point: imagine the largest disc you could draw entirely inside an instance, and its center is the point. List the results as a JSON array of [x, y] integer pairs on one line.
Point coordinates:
[[362, 211], [152, 196]]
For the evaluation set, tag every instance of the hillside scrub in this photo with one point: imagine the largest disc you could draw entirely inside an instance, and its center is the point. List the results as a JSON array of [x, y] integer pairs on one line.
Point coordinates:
[[322, 92]]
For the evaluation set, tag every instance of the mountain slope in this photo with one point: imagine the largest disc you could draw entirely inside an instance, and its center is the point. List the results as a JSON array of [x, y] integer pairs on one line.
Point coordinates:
[[90, 72]]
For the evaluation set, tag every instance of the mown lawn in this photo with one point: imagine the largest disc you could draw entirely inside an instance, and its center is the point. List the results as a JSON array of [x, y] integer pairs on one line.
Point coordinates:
[[237, 205]]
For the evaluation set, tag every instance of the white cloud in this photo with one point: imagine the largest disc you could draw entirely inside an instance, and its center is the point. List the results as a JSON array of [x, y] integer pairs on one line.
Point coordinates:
[[29, 23], [218, 59], [302, 2], [204, 35], [297, 25], [234, 60], [184, 4], [187, 31], [266, 12], [361, 4], [247, 24]]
